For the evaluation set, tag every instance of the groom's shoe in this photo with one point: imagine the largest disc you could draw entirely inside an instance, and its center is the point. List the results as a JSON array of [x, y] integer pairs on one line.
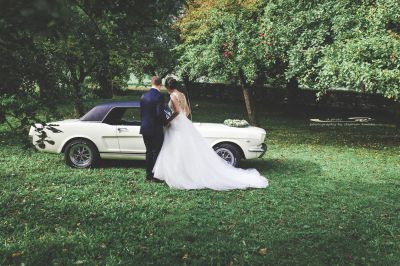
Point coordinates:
[[151, 178], [155, 180]]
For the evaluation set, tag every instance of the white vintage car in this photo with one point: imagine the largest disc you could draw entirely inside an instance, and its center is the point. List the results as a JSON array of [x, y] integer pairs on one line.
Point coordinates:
[[111, 131]]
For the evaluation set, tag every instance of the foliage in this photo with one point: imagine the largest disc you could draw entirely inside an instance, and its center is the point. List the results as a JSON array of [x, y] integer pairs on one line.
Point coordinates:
[[57, 51], [236, 123], [28, 75], [221, 39], [369, 60], [158, 56], [330, 44], [333, 200]]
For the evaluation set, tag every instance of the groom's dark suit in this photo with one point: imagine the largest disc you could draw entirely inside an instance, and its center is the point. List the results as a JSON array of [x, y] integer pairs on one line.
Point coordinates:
[[152, 121]]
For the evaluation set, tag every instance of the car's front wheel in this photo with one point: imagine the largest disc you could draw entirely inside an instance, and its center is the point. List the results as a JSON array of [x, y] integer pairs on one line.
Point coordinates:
[[228, 152], [81, 153]]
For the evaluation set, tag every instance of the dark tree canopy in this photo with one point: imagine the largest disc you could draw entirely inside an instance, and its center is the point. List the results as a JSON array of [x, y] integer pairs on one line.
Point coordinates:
[[61, 50]]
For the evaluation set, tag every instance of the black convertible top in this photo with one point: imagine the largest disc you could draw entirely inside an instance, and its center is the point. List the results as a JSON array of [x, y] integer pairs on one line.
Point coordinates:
[[98, 112]]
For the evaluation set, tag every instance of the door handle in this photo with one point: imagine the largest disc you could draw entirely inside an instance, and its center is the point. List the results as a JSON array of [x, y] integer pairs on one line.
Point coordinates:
[[121, 129]]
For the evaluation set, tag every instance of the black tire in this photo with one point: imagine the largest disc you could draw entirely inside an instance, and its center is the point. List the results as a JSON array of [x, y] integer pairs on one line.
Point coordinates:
[[229, 153], [81, 153]]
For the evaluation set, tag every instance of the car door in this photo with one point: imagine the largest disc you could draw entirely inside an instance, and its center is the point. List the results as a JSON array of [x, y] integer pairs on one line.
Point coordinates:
[[107, 141], [130, 140]]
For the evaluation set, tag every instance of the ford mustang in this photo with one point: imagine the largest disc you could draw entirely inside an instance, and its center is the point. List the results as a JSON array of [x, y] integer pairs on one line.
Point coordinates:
[[111, 131]]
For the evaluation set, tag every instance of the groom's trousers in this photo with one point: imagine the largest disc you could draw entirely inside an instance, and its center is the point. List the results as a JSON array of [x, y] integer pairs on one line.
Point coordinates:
[[153, 145]]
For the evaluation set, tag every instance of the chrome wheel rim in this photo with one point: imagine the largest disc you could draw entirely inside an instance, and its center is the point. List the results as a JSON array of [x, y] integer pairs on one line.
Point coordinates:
[[80, 155], [226, 154]]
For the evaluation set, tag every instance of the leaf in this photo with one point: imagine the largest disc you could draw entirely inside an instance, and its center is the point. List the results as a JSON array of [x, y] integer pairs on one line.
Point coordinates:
[[16, 254], [263, 251], [51, 142], [41, 145], [185, 256], [53, 129]]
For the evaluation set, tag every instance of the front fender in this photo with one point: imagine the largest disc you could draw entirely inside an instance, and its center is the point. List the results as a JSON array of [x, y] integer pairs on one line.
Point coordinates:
[[61, 148]]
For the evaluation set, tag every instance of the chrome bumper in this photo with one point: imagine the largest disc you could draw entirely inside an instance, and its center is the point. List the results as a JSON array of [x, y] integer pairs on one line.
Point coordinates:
[[262, 149]]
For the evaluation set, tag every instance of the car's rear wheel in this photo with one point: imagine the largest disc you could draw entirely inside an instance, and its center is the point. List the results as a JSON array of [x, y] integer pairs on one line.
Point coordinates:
[[228, 152], [81, 153]]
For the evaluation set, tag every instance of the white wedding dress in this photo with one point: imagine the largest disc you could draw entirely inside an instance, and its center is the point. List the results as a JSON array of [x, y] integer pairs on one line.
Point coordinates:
[[186, 160]]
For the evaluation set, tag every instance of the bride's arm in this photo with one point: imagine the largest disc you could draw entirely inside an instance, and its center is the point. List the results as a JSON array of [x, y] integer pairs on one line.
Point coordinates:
[[187, 110]]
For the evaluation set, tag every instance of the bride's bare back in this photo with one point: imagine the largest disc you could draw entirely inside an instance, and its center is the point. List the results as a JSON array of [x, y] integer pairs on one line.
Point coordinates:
[[178, 103]]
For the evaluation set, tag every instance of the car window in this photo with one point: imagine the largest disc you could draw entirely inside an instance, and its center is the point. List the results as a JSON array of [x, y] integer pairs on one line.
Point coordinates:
[[123, 116], [131, 116]]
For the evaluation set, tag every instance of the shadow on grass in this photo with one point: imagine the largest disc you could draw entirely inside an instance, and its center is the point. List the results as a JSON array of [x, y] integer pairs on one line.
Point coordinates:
[[121, 164], [284, 168], [271, 167]]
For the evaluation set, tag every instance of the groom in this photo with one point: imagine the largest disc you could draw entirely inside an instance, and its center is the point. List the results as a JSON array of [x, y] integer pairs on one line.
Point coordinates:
[[152, 121]]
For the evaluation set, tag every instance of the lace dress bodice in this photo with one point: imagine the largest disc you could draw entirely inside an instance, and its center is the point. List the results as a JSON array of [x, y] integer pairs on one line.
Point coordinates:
[[181, 101]]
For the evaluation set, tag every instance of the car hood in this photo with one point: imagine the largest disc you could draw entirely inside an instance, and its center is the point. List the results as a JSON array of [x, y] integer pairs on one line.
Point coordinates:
[[250, 131], [62, 122], [66, 121]]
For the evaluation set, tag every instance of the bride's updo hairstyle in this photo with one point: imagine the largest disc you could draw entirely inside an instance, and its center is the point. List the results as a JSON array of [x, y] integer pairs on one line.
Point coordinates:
[[171, 83]]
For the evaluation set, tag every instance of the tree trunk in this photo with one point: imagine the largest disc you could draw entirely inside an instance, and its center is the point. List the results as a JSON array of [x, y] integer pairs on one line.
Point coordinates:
[[292, 94], [104, 77], [2, 116], [186, 83], [397, 112], [106, 88], [248, 100], [78, 104]]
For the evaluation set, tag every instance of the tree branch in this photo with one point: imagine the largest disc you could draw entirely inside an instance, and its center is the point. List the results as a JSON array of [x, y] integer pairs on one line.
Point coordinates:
[[88, 15]]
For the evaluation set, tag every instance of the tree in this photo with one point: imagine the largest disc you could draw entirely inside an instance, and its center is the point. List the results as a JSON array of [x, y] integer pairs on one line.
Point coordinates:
[[136, 36], [221, 39], [330, 44], [117, 36], [52, 51], [29, 78], [368, 60], [297, 31], [158, 57]]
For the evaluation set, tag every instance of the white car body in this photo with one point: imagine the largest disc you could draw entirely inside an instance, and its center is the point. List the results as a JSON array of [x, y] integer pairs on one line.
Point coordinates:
[[121, 141]]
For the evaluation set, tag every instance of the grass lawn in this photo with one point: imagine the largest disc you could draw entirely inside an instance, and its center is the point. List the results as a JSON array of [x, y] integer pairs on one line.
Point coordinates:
[[334, 198]]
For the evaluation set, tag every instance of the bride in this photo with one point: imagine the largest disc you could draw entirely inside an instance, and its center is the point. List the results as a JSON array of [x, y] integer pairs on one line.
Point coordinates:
[[186, 160]]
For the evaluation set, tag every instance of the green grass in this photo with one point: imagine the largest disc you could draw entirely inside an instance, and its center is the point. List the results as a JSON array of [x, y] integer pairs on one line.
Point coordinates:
[[334, 199]]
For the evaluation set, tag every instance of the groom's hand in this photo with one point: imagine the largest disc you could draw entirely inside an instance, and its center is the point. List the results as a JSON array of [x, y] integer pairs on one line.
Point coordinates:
[[168, 121]]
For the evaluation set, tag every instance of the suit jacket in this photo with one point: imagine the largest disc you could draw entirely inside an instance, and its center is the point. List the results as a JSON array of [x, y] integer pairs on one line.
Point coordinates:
[[152, 113]]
